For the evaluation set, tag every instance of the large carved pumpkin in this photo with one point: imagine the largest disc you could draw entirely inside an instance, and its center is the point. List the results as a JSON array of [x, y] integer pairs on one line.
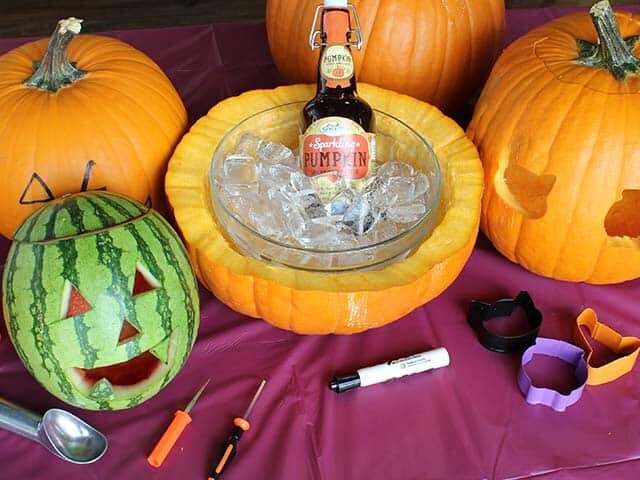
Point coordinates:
[[100, 300], [315, 302], [106, 117], [439, 51], [557, 128]]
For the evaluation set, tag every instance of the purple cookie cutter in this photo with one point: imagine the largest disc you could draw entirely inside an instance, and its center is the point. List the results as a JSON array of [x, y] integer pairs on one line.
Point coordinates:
[[547, 396]]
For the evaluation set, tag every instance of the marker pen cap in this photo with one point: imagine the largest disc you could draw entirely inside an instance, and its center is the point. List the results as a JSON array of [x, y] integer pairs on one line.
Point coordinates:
[[439, 357], [335, 4]]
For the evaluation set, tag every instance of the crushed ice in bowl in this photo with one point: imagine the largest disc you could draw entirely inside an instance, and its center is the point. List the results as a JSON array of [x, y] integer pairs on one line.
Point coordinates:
[[262, 184]]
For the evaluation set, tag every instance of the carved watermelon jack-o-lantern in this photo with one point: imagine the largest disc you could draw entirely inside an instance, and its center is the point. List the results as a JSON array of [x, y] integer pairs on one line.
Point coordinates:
[[100, 300]]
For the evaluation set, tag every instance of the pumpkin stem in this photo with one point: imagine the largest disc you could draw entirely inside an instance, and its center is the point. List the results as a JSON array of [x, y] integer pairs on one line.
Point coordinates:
[[55, 71], [612, 52]]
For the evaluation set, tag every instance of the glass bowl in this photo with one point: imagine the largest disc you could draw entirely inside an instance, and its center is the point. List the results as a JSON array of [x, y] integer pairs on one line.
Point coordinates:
[[395, 141]]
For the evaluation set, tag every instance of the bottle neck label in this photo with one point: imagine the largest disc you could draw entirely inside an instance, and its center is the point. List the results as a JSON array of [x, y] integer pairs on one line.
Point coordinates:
[[336, 63], [337, 148]]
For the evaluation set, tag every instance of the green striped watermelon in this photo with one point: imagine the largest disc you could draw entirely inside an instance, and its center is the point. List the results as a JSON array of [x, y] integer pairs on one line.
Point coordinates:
[[100, 300]]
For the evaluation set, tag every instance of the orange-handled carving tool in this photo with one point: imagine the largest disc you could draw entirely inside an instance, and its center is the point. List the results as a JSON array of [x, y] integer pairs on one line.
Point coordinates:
[[229, 447], [180, 420]]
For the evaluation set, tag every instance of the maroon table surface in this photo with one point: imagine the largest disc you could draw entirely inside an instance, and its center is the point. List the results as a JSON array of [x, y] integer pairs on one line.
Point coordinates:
[[466, 421]]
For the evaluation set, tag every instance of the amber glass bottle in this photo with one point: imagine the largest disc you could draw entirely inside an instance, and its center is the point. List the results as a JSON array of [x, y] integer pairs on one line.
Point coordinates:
[[339, 125], [336, 93]]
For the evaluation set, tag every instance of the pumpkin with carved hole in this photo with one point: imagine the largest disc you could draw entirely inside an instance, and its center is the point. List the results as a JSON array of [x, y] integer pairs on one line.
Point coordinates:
[[83, 113], [436, 51], [100, 300], [557, 131], [314, 302]]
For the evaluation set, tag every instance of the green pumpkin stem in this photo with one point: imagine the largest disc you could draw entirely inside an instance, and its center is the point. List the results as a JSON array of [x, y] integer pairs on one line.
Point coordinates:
[[55, 71], [612, 52]]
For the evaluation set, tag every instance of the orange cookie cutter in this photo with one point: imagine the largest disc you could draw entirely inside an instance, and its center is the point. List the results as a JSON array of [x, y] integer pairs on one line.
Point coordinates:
[[627, 347]]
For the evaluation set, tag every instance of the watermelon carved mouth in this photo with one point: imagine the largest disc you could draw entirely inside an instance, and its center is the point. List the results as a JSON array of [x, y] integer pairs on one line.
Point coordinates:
[[124, 379], [126, 373]]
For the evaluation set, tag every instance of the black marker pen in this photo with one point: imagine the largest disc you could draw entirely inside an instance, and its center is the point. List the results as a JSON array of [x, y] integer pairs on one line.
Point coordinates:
[[421, 362]]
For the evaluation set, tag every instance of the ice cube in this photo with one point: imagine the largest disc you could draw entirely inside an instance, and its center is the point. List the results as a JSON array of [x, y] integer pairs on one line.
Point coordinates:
[[395, 169], [277, 174], [248, 144], [317, 235], [295, 221], [358, 216], [275, 206], [277, 200], [402, 188], [309, 202], [379, 196], [340, 203], [341, 237], [241, 189], [272, 153], [241, 206], [300, 182], [286, 213], [266, 218], [384, 231], [239, 176], [239, 168], [328, 185]]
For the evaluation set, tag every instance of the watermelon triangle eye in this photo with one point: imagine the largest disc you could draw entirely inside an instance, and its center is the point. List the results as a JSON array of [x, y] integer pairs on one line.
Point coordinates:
[[73, 303], [144, 281], [127, 332]]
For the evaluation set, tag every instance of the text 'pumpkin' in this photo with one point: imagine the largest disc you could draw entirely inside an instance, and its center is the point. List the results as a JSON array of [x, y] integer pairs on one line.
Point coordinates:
[[100, 300]]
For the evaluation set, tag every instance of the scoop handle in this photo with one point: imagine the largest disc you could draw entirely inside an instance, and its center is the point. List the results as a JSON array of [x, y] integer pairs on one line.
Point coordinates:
[[19, 420], [169, 438]]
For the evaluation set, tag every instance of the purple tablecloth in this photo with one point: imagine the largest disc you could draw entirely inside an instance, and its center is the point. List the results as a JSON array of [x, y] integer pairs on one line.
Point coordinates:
[[467, 421]]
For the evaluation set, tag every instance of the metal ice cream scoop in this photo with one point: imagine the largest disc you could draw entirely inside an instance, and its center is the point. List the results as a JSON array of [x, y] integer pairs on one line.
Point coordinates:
[[60, 432]]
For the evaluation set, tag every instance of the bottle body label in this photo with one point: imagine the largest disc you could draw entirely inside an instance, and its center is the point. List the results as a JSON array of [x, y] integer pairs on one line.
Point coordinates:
[[337, 148], [336, 63]]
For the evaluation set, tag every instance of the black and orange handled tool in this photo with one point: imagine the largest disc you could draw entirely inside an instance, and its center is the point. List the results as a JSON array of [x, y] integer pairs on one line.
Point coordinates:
[[180, 420], [229, 447]]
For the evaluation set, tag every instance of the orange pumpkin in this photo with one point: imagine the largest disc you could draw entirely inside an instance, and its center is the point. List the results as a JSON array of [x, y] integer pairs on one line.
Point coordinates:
[[433, 50], [314, 302], [557, 130], [105, 118]]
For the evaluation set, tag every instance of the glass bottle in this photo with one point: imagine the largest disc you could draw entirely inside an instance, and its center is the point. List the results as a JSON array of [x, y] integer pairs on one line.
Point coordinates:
[[338, 142]]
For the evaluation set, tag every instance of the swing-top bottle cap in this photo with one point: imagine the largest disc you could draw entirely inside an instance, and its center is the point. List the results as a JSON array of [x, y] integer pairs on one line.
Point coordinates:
[[336, 4]]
